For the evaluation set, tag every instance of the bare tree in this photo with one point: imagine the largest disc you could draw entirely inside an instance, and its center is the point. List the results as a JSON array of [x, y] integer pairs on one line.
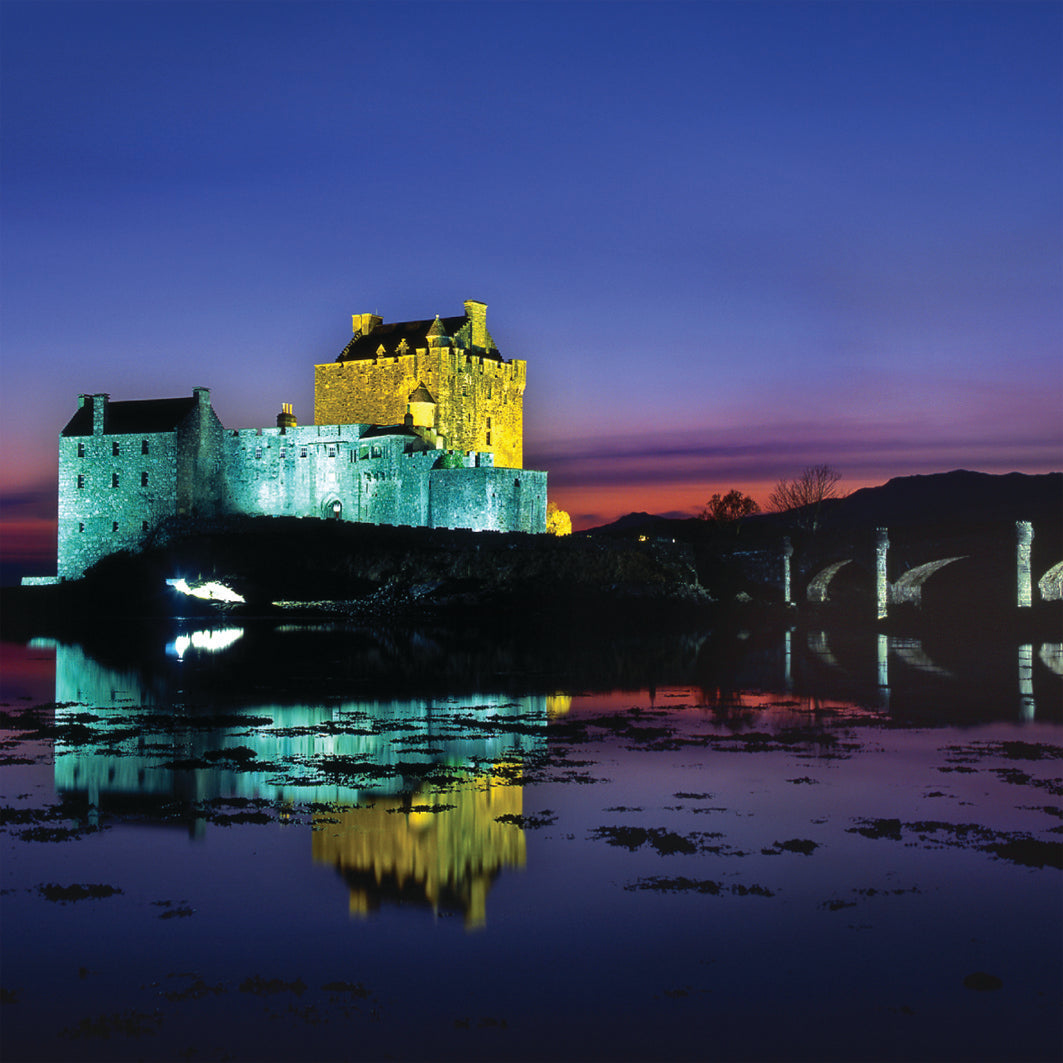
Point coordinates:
[[729, 508], [805, 494]]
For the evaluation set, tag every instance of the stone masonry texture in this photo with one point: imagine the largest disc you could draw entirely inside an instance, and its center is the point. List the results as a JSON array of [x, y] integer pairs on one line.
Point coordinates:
[[126, 467]]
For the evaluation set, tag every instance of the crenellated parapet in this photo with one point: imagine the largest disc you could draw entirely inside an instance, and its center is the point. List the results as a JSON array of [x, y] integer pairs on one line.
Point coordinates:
[[478, 394], [418, 423]]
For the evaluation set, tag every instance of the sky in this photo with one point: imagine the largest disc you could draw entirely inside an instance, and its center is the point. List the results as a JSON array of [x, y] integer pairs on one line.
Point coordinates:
[[729, 239]]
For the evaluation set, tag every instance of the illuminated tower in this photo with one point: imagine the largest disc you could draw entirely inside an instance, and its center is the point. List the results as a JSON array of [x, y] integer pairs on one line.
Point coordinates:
[[449, 365]]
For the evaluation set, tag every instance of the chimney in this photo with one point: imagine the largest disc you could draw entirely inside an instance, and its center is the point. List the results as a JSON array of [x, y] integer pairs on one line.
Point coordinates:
[[286, 419], [363, 324], [99, 406], [476, 312]]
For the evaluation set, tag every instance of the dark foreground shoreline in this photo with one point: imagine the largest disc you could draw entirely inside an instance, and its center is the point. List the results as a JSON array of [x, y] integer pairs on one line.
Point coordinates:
[[580, 586]]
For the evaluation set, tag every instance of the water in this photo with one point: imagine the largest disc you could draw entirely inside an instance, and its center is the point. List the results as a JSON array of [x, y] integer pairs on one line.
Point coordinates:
[[257, 843]]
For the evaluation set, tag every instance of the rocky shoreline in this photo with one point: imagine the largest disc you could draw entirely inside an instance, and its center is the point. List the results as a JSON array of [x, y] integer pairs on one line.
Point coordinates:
[[283, 568]]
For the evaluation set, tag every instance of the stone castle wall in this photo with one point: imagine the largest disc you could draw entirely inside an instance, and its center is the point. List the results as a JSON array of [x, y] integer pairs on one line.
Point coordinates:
[[200, 460], [461, 467], [488, 499], [338, 472], [480, 399], [114, 489], [98, 517]]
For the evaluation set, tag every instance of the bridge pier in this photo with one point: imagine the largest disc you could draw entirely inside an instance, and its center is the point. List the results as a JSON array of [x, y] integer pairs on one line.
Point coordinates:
[[1026, 700], [1024, 539], [883, 671], [788, 674], [787, 553], [882, 585]]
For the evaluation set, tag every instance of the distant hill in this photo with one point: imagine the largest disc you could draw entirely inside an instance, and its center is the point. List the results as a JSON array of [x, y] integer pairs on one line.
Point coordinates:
[[948, 497], [954, 496]]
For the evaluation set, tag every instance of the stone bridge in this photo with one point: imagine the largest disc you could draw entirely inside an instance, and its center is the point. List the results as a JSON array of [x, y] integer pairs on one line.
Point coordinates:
[[997, 562]]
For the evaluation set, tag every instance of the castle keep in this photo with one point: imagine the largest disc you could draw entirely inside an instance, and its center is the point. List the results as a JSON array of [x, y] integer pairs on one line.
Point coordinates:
[[425, 428], [465, 390]]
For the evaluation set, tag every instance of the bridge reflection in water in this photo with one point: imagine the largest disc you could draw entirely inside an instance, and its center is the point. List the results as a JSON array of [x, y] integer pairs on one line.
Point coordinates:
[[921, 678]]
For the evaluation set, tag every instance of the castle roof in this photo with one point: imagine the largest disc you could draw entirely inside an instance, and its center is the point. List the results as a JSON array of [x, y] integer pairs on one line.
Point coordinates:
[[134, 417], [420, 394], [377, 430], [437, 328], [415, 333]]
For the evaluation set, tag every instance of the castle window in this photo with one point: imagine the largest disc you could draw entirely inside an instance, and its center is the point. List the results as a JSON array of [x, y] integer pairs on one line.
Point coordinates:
[[81, 527], [81, 450], [114, 450], [258, 453], [143, 446], [331, 452], [114, 525], [114, 479], [143, 479], [302, 452], [81, 483]]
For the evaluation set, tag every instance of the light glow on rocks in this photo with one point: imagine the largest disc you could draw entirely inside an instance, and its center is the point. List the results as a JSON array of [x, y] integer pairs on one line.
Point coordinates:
[[211, 591]]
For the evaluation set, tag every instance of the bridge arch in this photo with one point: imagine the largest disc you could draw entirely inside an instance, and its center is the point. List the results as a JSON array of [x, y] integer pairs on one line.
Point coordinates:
[[819, 586], [1051, 583], [909, 588]]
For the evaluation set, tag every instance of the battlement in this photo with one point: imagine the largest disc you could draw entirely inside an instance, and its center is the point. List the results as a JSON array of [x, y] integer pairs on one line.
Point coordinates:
[[478, 394], [416, 423]]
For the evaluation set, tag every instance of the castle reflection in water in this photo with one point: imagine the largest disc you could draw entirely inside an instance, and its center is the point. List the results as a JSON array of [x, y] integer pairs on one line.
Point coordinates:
[[418, 800], [375, 774]]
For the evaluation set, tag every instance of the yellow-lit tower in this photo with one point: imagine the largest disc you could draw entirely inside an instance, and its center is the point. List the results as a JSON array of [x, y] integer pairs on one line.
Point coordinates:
[[446, 369]]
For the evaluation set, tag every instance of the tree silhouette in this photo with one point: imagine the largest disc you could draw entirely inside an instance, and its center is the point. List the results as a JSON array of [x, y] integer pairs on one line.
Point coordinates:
[[805, 494], [729, 508]]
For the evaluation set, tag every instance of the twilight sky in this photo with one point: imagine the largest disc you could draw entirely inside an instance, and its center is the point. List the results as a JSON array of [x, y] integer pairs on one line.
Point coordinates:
[[730, 239]]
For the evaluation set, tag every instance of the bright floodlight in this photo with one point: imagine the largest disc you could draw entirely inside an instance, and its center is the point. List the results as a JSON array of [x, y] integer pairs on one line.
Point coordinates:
[[212, 592]]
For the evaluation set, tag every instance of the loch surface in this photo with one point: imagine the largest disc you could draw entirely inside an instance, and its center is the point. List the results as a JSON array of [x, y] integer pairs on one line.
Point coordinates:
[[318, 842]]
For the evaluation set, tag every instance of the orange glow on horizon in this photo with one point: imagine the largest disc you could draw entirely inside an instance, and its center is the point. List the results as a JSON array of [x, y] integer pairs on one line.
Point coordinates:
[[592, 506]]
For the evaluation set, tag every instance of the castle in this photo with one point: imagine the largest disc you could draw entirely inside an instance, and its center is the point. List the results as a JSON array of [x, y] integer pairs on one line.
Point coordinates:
[[415, 423]]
